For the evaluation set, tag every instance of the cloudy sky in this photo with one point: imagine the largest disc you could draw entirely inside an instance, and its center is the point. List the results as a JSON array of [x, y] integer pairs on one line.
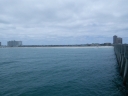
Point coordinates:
[[63, 21]]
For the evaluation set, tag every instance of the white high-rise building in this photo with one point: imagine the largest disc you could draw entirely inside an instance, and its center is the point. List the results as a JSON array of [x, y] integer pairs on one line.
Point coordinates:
[[114, 39], [117, 40], [14, 43]]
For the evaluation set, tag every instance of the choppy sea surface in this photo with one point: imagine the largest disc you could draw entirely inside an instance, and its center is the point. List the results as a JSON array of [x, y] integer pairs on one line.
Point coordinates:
[[62, 71]]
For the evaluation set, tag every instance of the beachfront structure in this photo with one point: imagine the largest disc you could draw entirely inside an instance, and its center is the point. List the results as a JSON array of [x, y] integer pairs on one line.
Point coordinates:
[[14, 43], [117, 40], [114, 39]]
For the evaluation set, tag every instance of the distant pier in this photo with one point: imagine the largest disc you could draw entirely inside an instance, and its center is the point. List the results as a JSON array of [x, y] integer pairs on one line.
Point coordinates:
[[121, 52]]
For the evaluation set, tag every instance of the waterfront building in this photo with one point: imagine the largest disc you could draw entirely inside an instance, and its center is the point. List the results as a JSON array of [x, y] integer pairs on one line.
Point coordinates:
[[114, 39], [14, 43], [117, 40]]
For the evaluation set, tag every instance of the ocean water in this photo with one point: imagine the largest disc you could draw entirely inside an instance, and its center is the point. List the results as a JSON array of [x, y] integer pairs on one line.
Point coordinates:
[[65, 71]]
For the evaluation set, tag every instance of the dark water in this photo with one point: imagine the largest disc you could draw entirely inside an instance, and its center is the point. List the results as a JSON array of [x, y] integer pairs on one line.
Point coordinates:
[[59, 72]]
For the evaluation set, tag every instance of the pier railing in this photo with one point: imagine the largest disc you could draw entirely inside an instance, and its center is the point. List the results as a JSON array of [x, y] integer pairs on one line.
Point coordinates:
[[121, 52]]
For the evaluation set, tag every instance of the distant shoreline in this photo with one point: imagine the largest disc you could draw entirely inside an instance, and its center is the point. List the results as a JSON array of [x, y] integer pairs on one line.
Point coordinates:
[[44, 46]]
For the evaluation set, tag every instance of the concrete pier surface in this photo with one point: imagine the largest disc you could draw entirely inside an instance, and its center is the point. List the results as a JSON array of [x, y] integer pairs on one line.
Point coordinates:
[[121, 52]]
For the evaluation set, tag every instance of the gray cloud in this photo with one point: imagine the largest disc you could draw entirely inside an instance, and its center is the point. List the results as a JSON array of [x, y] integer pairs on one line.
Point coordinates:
[[63, 21]]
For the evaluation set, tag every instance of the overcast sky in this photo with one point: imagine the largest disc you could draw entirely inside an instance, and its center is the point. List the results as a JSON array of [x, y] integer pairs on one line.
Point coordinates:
[[63, 21]]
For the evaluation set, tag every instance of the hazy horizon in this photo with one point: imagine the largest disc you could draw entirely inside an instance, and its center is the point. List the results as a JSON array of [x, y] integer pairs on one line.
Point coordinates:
[[61, 22]]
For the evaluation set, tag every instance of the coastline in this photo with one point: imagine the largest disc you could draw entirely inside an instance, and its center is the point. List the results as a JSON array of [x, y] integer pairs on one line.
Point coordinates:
[[59, 47]]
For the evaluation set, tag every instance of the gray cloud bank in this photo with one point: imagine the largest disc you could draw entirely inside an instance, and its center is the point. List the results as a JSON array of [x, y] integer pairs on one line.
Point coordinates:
[[63, 21]]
